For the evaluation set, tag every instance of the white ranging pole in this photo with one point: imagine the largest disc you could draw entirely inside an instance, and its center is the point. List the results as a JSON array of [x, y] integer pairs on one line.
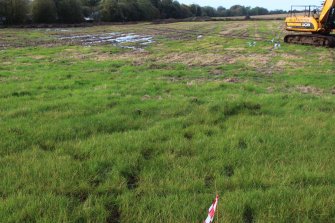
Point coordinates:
[[211, 210]]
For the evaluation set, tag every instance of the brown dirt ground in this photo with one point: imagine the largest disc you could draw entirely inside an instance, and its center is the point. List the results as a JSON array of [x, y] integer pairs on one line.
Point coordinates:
[[310, 90], [197, 59]]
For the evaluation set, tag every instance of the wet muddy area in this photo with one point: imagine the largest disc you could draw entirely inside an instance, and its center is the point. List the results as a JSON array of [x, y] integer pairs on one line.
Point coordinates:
[[123, 40], [58, 36]]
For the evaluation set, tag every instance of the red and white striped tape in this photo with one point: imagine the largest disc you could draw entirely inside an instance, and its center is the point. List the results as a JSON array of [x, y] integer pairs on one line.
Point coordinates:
[[211, 210]]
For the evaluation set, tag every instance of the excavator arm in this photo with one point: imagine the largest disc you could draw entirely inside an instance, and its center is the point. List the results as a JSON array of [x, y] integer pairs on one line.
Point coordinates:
[[328, 6]]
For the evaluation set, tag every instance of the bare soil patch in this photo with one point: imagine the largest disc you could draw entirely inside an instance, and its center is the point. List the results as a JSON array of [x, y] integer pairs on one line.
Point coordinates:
[[231, 80], [137, 57], [198, 59], [176, 34], [233, 29], [200, 80], [255, 60], [309, 90]]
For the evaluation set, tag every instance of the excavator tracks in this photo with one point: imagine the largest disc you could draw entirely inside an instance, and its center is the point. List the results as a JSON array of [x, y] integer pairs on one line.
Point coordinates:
[[312, 40]]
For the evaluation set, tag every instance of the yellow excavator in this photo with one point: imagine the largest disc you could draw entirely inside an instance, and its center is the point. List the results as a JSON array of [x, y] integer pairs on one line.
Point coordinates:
[[317, 22]]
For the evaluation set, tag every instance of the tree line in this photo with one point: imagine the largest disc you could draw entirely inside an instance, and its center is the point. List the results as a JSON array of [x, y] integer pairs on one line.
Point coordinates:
[[75, 11]]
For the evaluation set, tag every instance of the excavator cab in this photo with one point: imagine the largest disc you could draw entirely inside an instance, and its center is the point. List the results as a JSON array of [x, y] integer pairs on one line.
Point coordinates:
[[316, 14], [313, 22], [303, 18], [331, 19]]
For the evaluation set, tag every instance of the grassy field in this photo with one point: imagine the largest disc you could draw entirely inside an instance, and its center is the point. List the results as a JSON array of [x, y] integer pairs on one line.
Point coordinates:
[[103, 133], [260, 17]]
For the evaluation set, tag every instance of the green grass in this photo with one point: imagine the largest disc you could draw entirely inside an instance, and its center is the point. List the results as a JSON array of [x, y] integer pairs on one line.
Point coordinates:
[[102, 134]]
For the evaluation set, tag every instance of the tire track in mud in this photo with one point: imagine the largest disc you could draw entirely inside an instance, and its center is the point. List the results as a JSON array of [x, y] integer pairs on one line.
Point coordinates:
[[189, 34], [258, 35], [184, 34], [180, 34], [245, 35]]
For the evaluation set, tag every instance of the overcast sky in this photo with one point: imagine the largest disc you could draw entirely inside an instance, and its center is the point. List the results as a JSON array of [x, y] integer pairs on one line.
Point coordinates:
[[277, 4]]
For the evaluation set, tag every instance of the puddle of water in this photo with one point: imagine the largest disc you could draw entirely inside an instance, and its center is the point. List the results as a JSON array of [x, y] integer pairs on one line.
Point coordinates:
[[117, 39], [53, 30]]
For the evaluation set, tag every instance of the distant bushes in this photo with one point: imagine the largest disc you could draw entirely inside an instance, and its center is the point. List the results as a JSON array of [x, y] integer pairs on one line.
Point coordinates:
[[44, 11], [75, 11], [69, 11], [14, 11], [49, 11]]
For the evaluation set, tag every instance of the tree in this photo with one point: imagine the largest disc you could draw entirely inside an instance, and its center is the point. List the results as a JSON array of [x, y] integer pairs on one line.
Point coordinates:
[[123, 10], [156, 3], [196, 10], [91, 3], [91, 8], [259, 11], [73, 11], [130, 10], [278, 11], [2, 10], [44, 11], [15, 11], [208, 11], [147, 10], [106, 6], [185, 11], [222, 12], [167, 9], [69, 11], [237, 10], [176, 10]]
